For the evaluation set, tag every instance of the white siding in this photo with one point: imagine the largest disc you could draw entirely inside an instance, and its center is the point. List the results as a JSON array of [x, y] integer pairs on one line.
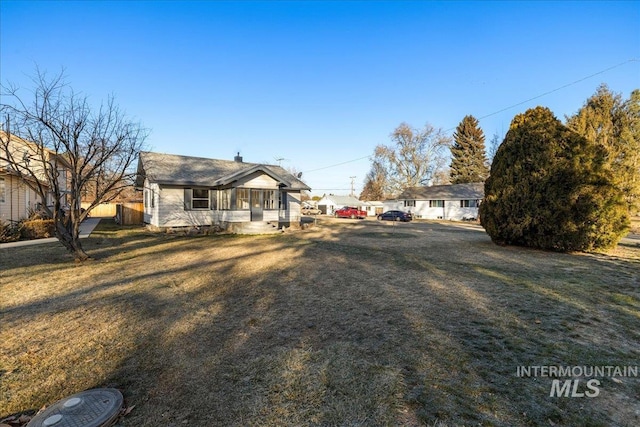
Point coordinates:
[[171, 213], [422, 210], [327, 206], [19, 198], [258, 180], [151, 200], [291, 215], [5, 201], [168, 209], [231, 216], [450, 211], [374, 208]]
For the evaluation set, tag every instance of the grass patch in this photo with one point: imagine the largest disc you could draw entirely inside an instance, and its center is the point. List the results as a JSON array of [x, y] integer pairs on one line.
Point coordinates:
[[342, 324]]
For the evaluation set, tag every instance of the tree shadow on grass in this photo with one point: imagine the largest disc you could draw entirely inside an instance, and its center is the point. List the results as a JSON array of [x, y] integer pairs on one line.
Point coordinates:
[[326, 328]]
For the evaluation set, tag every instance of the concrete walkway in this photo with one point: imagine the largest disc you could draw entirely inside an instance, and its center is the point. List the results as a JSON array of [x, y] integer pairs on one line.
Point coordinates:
[[86, 228]]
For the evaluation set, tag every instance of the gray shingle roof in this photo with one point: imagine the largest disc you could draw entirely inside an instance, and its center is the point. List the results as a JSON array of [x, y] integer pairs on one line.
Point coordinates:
[[344, 200], [472, 191], [171, 169]]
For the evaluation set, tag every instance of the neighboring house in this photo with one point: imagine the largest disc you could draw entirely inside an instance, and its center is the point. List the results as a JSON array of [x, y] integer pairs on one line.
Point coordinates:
[[330, 203], [17, 195], [453, 202], [182, 191], [373, 207]]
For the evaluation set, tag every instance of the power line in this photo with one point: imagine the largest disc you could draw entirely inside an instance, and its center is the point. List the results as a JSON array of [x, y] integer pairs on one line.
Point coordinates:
[[504, 109], [338, 164], [561, 87]]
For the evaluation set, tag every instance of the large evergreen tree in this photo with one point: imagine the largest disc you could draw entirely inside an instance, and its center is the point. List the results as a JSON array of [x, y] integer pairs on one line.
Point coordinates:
[[631, 138], [614, 124], [468, 156], [551, 188]]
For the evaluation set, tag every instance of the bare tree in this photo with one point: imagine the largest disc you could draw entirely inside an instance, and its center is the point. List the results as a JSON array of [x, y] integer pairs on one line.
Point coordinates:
[[64, 149], [493, 147], [416, 157]]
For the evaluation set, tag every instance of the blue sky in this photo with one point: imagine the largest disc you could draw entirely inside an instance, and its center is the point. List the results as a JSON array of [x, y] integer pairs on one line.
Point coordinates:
[[322, 83]]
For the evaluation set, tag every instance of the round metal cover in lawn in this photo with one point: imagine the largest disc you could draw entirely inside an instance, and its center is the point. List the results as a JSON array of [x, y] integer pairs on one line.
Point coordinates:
[[98, 407]]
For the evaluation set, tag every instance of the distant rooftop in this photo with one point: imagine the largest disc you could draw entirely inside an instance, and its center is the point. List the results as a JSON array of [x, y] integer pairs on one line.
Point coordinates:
[[469, 191]]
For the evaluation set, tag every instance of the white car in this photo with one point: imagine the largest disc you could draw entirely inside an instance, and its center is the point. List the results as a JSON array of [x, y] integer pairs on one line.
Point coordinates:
[[308, 210]]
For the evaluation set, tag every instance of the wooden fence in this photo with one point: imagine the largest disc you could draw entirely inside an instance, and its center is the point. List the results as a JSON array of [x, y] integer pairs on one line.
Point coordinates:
[[130, 213], [127, 213], [103, 210]]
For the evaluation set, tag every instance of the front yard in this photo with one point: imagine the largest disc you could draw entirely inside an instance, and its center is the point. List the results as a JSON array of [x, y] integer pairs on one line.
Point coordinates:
[[347, 323]]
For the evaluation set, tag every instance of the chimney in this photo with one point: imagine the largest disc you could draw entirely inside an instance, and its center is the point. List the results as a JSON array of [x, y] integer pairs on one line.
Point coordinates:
[[238, 158]]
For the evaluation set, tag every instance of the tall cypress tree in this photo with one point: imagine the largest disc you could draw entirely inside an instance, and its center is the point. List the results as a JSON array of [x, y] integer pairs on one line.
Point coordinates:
[[468, 156], [551, 188]]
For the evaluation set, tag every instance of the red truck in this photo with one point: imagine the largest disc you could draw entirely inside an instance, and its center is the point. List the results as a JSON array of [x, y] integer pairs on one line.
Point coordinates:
[[350, 212]]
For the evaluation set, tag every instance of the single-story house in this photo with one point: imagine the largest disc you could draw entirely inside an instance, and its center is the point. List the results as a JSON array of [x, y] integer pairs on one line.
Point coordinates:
[[373, 207], [330, 203], [21, 171], [183, 191], [453, 202]]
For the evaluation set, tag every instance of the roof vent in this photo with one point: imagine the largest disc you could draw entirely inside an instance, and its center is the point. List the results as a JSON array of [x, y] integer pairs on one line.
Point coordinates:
[[238, 158]]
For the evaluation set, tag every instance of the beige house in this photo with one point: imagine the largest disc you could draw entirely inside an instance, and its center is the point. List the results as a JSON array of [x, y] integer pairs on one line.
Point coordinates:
[[22, 171], [183, 191]]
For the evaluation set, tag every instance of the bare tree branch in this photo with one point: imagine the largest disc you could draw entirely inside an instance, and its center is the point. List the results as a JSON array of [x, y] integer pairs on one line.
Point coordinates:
[[73, 149], [413, 159]]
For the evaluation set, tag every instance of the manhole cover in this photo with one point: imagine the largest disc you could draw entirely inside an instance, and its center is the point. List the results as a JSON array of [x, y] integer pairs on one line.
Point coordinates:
[[92, 408]]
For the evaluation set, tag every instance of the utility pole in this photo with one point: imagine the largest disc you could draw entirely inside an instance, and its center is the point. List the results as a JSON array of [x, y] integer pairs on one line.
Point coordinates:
[[352, 189]]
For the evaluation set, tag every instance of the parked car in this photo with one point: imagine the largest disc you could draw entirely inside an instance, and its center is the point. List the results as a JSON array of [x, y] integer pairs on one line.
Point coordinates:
[[308, 210], [350, 212], [395, 216]]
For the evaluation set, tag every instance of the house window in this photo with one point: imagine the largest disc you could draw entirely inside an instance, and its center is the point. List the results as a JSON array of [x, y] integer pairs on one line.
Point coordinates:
[[225, 199], [409, 203], [469, 203], [149, 198], [269, 200], [282, 201], [242, 198], [436, 203], [2, 190], [200, 198]]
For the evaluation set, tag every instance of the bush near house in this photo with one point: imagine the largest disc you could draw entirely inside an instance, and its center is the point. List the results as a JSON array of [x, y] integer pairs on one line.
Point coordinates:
[[9, 232], [37, 229]]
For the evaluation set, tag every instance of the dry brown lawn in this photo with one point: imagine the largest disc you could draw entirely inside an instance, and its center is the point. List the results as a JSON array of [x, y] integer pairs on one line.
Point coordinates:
[[350, 323]]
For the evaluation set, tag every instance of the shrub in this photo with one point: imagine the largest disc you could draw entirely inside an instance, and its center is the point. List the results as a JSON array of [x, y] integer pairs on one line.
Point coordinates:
[[9, 232], [550, 188], [37, 229]]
